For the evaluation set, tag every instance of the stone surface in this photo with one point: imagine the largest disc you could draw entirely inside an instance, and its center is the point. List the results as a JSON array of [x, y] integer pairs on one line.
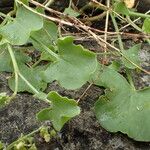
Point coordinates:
[[83, 132]]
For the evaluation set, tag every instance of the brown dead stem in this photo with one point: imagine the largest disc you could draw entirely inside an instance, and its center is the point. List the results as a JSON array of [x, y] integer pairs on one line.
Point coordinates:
[[74, 22]]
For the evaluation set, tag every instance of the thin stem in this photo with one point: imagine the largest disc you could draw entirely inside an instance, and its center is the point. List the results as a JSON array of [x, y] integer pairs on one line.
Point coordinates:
[[147, 72], [117, 30], [17, 74], [54, 55], [133, 24], [136, 14], [136, 27], [85, 91], [107, 53], [22, 138], [133, 21], [5, 16], [36, 63], [70, 3], [16, 70], [45, 16], [74, 19], [106, 29], [96, 37], [29, 84], [99, 5], [93, 18], [129, 76], [49, 3], [32, 87], [79, 24]]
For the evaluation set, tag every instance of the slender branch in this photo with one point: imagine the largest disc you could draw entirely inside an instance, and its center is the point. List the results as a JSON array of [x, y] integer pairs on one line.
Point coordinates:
[[133, 24], [54, 55], [28, 83], [131, 13], [103, 41], [99, 5], [36, 63], [72, 19], [129, 77], [122, 49], [70, 3], [50, 2], [133, 21], [136, 27], [23, 138], [17, 74], [5, 16], [117, 30], [16, 70], [106, 29], [93, 18], [85, 91], [81, 25], [136, 14]]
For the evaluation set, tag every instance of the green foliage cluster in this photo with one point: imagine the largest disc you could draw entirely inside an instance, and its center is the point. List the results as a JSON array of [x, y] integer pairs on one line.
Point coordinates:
[[122, 108]]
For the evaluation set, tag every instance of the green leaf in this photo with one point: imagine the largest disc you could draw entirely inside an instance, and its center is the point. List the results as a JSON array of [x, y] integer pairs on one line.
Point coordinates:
[[26, 2], [122, 108], [3, 100], [47, 36], [32, 75], [1, 145], [33, 147], [115, 65], [94, 78], [21, 145], [133, 55], [41, 96], [73, 67], [17, 32], [53, 133], [69, 11], [61, 110], [121, 8], [45, 56], [5, 59], [146, 25]]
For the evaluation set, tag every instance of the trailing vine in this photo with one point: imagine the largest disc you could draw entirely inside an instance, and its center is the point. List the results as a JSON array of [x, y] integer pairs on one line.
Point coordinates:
[[121, 108]]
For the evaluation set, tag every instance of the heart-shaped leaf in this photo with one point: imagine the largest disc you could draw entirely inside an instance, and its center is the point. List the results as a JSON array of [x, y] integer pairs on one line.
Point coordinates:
[[62, 110], [73, 66], [17, 32], [122, 108]]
